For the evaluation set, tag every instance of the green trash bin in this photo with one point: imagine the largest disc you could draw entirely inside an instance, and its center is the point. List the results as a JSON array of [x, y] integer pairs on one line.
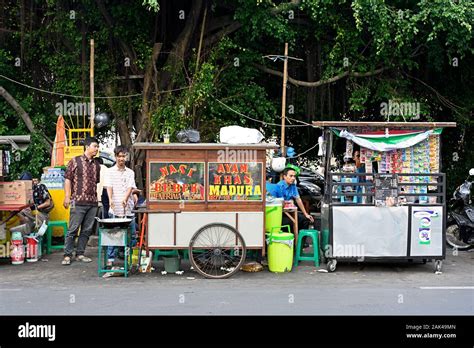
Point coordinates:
[[172, 264], [280, 250], [273, 215]]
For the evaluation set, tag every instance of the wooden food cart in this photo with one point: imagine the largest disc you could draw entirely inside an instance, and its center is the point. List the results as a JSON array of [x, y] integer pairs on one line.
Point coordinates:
[[394, 206], [208, 199]]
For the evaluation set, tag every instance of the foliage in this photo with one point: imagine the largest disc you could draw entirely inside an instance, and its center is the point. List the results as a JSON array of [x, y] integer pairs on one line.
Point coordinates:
[[425, 46]]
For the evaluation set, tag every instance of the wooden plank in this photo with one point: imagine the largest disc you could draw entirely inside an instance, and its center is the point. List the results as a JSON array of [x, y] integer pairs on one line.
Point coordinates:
[[176, 155], [202, 146], [212, 206], [321, 124]]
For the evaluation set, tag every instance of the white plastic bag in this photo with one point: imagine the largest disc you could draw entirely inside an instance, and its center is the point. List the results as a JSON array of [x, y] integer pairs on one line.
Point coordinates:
[[240, 135], [42, 229]]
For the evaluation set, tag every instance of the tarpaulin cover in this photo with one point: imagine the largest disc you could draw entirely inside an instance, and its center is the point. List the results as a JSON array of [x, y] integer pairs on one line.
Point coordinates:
[[387, 140]]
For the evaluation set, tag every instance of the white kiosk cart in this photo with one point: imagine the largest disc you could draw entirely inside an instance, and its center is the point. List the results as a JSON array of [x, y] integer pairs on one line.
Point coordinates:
[[393, 206]]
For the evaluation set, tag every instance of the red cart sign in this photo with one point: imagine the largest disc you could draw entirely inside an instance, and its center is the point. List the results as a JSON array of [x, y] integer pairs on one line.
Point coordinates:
[[176, 181], [235, 181]]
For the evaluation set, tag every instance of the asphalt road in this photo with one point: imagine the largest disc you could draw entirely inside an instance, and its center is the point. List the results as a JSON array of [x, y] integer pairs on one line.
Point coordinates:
[[47, 288]]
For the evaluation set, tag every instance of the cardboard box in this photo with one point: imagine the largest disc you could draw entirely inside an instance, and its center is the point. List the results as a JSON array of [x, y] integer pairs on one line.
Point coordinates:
[[16, 192]]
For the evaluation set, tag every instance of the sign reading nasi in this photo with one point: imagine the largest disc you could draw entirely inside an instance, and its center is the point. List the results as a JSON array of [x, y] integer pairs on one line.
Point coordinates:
[[176, 181], [235, 181]]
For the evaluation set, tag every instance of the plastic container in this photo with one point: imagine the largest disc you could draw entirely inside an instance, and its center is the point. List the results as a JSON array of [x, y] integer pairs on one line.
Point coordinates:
[[32, 249], [172, 264], [280, 252], [273, 215], [16, 235], [17, 252], [135, 253]]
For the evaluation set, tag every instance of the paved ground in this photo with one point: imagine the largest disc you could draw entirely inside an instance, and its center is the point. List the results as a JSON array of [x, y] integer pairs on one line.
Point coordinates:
[[47, 288]]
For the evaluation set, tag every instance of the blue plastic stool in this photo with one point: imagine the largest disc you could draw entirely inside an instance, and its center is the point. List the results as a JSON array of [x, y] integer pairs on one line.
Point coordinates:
[[300, 256]]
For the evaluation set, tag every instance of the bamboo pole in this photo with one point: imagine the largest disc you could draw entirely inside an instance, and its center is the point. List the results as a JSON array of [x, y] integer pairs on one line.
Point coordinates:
[[92, 104], [283, 101]]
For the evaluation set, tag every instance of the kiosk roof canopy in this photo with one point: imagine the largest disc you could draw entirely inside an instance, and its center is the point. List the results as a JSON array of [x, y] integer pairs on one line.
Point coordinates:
[[203, 146], [322, 124]]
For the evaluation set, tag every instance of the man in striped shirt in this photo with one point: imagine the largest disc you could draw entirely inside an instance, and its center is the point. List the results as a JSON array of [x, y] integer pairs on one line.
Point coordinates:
[[120, 182]]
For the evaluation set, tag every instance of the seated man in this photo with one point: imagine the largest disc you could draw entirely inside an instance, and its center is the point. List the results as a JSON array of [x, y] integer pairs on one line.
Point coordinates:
[[287, 191], [42, 203]]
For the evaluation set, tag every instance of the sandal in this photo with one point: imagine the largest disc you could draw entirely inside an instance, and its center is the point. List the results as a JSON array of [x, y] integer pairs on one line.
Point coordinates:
[[66, 261], [83, 258]]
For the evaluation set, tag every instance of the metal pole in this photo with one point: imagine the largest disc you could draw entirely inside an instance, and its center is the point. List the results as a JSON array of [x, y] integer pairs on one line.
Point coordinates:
[[92, 104], [283, 101]]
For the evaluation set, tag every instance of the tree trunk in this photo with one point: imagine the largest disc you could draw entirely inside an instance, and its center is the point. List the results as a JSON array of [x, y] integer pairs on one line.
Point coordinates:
[[311, 96], [83, 57], [24, 116], [120, 122], [154, 83]]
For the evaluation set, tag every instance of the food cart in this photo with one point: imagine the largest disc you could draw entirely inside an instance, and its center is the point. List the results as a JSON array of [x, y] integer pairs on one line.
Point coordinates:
[[9, 208], [393, 207], [208, 199]]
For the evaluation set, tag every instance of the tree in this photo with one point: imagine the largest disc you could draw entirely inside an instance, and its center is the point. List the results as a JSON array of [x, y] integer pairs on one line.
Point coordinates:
[[199, 64]]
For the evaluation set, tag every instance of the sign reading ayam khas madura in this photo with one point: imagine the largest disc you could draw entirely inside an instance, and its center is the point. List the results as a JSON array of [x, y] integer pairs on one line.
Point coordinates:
[[176, 181], [235, 181]]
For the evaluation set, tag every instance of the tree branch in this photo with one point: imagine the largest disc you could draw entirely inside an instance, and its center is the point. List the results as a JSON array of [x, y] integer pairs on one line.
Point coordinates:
[[149, 79], [218, 23], [181, 45], [320, 82], [286, 6], [24, 116], [126, 49], [220, 34], [445, 101]]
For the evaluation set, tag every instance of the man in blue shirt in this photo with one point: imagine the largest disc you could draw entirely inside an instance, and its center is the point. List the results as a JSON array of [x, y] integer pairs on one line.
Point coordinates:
[[287, 190]]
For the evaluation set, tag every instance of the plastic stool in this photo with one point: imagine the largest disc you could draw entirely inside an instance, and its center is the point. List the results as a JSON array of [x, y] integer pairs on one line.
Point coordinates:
[[49, 235], [158, 253], [300, 256]]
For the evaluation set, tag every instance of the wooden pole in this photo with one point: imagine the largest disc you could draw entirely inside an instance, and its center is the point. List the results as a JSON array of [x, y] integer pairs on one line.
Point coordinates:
[[283, 101], [92, 104], [197, 60]]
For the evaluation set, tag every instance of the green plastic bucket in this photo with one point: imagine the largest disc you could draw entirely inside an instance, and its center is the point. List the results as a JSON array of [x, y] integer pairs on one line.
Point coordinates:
[[273, 216], [172, 264], [280, 251]]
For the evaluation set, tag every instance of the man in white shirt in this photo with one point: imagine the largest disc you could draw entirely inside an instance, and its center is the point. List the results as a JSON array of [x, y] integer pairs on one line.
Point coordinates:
[[120, 182]]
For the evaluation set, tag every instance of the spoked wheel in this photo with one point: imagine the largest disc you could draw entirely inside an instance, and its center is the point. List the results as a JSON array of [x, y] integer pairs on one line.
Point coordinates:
[[217, 251]]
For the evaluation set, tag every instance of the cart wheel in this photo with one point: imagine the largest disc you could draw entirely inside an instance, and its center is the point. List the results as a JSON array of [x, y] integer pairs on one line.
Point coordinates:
[[438, 265], [331, 265], [217, 251]]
